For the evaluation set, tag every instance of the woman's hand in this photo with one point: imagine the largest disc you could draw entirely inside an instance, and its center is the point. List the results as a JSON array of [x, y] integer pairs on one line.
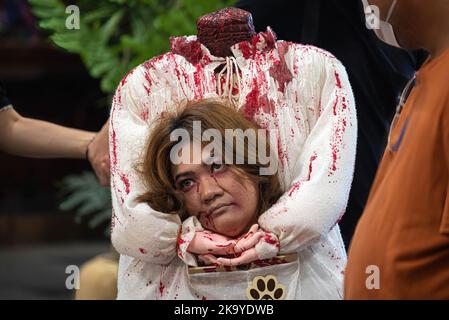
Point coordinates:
[[207, 242], [254, 245]]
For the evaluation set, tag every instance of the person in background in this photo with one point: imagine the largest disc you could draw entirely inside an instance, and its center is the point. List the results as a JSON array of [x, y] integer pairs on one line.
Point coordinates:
[[40, 139], [400, 248], [377, 73]]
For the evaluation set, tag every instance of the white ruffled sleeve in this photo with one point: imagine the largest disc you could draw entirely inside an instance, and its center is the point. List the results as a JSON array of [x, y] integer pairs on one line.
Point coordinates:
[[317, 198], [188, 230], [136, 230]]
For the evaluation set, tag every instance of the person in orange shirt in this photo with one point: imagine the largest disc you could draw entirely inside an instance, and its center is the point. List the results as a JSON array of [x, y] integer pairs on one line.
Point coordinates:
[[400, 248]]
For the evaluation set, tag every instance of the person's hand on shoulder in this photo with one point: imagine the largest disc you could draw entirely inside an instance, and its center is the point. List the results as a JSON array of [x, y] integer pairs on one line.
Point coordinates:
[[98, 155]]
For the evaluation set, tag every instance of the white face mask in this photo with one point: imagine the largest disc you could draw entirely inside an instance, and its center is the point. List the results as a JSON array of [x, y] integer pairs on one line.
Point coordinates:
[[385, 31]]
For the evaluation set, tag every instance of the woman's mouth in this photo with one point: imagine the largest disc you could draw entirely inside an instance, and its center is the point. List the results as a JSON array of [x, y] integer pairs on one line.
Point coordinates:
[[218, 209]]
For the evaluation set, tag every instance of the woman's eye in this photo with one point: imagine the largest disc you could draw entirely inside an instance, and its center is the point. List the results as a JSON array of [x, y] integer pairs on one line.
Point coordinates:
[[216, 167], [186, 184]]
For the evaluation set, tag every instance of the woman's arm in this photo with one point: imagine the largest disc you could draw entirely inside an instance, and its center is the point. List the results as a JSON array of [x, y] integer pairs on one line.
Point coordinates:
[[316, 199], [136, 229]]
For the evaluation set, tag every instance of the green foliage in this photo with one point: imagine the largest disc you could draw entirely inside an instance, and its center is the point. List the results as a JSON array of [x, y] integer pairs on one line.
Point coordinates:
[[114, 37], [89, 199], [117, 35]]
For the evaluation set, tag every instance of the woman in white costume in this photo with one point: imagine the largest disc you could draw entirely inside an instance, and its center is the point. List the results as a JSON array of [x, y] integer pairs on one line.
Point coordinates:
[[300, 94]]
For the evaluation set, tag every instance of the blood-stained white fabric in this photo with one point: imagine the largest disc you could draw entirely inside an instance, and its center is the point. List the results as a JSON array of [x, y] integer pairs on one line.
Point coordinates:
[[302, 96]]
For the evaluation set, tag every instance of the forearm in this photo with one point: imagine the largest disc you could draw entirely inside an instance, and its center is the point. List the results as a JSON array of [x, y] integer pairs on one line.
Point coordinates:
[[40, 139], [317, 196], [136, 229]]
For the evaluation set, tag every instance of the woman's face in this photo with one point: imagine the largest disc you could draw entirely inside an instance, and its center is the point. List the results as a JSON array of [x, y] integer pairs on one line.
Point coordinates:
[[221, 201]]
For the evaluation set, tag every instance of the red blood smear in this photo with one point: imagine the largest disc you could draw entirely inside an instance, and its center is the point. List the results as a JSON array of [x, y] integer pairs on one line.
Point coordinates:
[[279, 70], [125, 182], [267, 105], [248, 235], [270, 38], [235, 89], [334, 158], [143, 251], [198, 86], [312, 158], [294, 188], [204, 298], [252, 102], [255, 40], [144, 115], [337, 79], [150, 64], [335, 106], [189, 49], [147, 77], [247, 50], [222, 245], [114, 147], [181, 241], [269, 239], [126, 77], [178, 71], [161, 288], [208, 237]]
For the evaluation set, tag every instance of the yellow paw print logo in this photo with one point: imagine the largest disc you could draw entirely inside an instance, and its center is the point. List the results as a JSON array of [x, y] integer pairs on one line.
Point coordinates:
[[265, 288]]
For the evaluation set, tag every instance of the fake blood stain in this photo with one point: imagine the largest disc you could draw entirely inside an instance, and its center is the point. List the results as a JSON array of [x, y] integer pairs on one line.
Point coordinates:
[[161, 288], [279, 70], [125, 181]]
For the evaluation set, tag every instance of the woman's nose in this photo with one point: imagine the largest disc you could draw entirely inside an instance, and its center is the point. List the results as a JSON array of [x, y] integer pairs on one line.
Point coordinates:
[[210, 189]]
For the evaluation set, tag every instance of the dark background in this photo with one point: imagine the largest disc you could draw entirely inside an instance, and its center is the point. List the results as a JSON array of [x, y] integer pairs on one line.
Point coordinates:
[[37, 240]]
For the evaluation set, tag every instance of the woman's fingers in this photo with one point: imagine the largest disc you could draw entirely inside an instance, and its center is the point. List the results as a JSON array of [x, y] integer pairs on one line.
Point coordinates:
[[248, 242], [205, 243], [222, 248], [253, 228], [246, 257], [208, 259]]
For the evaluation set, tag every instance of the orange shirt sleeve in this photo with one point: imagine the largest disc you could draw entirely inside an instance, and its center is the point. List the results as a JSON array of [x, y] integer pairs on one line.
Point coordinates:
[[444, 227]]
